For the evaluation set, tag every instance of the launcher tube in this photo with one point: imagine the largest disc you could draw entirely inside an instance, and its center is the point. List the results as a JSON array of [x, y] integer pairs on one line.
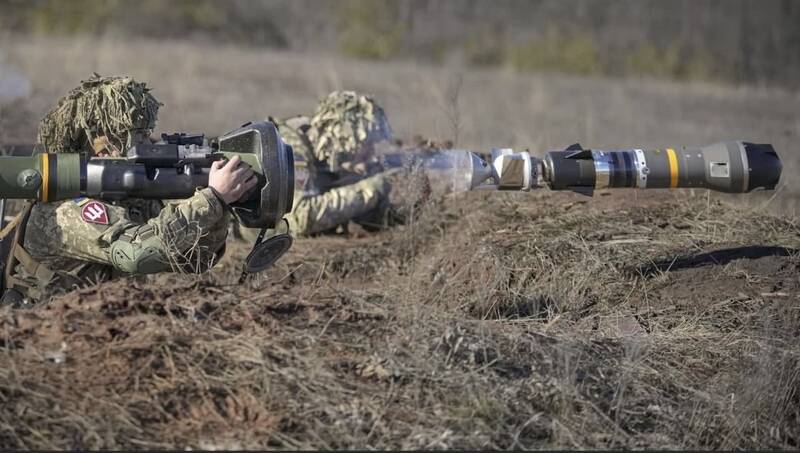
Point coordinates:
[[733, 167]]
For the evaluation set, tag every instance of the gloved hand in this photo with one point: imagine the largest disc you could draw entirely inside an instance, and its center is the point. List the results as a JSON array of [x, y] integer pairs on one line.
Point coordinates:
[[380, 183], [103, 147]]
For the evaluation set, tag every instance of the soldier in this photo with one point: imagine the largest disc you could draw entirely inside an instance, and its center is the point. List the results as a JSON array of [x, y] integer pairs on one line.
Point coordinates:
[[334, 182], [53, 247]]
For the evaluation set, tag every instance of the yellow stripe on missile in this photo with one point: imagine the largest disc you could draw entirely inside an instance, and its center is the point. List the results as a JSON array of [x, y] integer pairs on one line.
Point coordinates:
[[673, 168], [45, 177]]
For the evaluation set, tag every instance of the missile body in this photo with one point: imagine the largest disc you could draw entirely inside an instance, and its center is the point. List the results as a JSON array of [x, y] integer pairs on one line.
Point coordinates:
[[165, 171], [733, 167]]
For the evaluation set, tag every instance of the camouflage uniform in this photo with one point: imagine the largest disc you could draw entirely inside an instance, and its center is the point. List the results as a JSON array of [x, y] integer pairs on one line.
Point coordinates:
[[343, 130], [57, 247]]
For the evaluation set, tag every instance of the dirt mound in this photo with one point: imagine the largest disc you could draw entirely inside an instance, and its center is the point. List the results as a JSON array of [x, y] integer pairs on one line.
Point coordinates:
[[511, 322]]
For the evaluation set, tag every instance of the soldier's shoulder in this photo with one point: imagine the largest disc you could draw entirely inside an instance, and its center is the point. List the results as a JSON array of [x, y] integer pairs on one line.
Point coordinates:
[[79, 214], [299, 123], [77, 228], [294, 131]]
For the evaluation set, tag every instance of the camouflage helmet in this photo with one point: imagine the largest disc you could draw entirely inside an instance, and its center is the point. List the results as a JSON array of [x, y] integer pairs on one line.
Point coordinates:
[[344, 125], [118, 108]]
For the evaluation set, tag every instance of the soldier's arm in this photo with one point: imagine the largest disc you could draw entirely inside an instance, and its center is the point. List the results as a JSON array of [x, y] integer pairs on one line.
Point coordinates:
[[186, 235], [312, 214]]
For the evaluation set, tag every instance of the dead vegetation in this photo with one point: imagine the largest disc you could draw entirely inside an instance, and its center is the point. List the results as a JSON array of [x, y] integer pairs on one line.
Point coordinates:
[[516, 323], [546, 320]]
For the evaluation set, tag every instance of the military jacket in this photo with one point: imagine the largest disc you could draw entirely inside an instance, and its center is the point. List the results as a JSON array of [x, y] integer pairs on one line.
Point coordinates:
[[84, 241], [323, 200]]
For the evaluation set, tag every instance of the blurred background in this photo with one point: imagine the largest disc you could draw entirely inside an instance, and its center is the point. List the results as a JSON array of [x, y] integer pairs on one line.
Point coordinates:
[[734, 41], [535, 74]]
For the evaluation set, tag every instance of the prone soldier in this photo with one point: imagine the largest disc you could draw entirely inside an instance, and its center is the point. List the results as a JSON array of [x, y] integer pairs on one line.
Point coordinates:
[[53, 247], [333, 182]]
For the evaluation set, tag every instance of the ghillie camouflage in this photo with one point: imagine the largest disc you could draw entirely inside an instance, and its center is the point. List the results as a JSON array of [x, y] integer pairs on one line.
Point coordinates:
[[344, 125], [118, 108]]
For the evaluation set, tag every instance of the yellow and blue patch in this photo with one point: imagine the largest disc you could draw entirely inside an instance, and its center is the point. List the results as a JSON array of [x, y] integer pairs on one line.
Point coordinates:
[[80, 201]]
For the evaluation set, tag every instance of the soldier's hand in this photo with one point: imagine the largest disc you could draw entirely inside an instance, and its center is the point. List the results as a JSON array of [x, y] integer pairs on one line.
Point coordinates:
[[381, 183], [231, 179], [359, 168], [103, 147]]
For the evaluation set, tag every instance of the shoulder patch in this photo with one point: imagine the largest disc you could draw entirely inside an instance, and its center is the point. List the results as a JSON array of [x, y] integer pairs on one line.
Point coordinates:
[[94, 212], [80, 201]]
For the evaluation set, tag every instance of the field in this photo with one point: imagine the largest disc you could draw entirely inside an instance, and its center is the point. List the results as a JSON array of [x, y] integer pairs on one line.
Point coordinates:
[[492, 320]]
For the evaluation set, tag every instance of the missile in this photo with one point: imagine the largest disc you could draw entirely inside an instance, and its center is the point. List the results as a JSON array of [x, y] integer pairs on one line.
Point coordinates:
[[732, 167]]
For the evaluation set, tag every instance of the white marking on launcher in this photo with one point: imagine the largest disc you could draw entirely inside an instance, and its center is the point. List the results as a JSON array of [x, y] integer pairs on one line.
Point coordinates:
[[641, 169]]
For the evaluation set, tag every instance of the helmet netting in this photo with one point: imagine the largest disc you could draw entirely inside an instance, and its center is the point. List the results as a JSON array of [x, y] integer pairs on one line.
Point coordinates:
[[116, 107]]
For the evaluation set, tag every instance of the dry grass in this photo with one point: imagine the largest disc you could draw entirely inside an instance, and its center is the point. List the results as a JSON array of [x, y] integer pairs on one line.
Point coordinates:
[[517, 325], [543, 320]]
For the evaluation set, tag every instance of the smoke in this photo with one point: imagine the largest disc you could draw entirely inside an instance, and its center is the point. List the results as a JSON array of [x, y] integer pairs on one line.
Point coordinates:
[[447, 170], [451, 170], [13, 84]]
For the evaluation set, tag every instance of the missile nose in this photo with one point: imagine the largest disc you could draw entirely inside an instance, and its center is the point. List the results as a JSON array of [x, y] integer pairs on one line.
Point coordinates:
[[764, 166]]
